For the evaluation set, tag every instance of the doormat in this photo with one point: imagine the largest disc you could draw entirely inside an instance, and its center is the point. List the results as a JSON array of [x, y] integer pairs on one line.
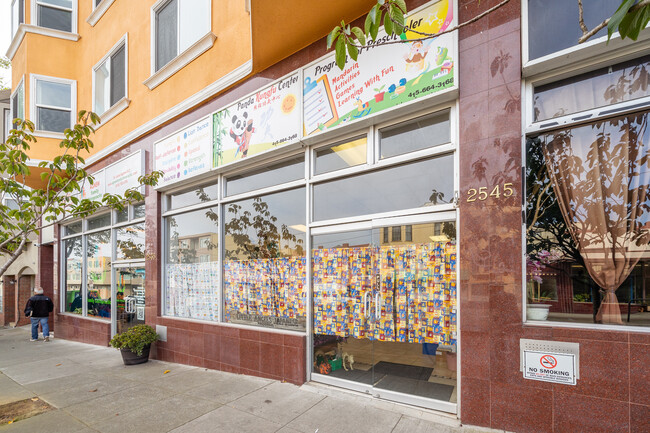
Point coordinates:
[[22, 409], [436, 391], [403, 370]]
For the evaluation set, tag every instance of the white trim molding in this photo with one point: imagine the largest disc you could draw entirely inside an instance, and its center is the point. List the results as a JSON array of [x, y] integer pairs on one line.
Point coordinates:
[[179, 62], [49, 134], [23, 29], [222, 83], [98, 11], [116, 109]]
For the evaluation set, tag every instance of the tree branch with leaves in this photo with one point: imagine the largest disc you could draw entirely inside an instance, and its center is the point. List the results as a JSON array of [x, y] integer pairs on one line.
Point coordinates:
[[629, 19], [25, 209]]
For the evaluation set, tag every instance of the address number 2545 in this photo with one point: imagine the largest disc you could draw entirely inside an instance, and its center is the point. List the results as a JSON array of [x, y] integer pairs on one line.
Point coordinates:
[[498, 191]]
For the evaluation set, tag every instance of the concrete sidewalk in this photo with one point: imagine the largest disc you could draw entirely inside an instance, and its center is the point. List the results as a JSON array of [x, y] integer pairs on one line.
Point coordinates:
[[93, 391]]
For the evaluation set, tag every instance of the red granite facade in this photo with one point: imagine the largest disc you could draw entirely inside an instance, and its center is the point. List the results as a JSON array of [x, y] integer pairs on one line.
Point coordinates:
[[607, 397]]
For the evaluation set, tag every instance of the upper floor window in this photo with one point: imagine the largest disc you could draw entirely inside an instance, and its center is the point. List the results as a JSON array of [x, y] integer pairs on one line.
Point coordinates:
[[178, 25], [18, 102], [110, 79], [53, 105], [553, 24], [56, 14], [17, 15]]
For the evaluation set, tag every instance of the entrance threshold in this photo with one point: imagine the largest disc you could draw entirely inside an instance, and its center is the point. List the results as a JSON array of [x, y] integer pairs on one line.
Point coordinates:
[[441, 408]]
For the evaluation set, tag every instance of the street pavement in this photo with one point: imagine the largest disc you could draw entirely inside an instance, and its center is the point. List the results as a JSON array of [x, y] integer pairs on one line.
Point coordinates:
[[92, 391]]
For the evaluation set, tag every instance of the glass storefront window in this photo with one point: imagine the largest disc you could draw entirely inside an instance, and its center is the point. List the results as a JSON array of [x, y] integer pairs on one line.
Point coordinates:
[[286, 171], [423, 183], [610, 85], [193, 195], [99, 221], [264, 263], [130, 242], [192, 268], [73, 253], [98, 273], [73, 228], [122, 215], [421, 133], [341, 155], [588, 223], [138, 211]]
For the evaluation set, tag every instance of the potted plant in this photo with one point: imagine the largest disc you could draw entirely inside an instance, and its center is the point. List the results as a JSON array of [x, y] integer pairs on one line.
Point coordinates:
[[135, 343], [379, 96], [536, 308]]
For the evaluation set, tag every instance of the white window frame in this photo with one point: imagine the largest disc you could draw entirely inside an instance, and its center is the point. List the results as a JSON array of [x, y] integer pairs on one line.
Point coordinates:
[[33, 106], [123, 102], [576, 53], [34, 16], [182, 58], [586, 116], [15, 24], [575, 61], [98, 11], [12, 116]]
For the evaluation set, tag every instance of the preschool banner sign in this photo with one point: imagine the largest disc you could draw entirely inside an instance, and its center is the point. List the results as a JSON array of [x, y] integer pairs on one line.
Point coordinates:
[[260, 122], [383, 76]]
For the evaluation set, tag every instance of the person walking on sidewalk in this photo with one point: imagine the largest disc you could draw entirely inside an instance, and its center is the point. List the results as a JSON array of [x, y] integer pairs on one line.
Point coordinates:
[[38, 309]]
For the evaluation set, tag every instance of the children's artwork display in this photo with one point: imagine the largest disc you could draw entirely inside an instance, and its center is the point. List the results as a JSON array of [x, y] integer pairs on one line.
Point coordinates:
[[270, 292], [403, 293], [193, 290]]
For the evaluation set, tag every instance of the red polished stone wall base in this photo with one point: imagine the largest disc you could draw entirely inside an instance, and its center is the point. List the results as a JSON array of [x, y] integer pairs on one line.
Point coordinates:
[[245, 351], [83, 330]]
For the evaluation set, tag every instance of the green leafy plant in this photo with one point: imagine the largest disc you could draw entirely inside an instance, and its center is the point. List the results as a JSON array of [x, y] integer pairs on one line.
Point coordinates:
[[582, 297], [135, 339], [25, 208], [379, 89], [630, 18]]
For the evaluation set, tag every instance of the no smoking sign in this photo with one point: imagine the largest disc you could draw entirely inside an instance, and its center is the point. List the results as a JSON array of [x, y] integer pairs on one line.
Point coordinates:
[[550, 367]]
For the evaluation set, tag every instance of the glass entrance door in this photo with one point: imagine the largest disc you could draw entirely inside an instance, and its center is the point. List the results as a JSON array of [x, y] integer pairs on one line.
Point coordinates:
[[130, 296], [343, 301], [384, 305]]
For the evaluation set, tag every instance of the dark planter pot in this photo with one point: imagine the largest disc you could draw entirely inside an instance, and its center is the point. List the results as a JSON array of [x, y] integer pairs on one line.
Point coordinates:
[[131, 358]]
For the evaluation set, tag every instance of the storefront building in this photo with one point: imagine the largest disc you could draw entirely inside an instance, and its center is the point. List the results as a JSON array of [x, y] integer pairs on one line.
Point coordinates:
[[460, 224]]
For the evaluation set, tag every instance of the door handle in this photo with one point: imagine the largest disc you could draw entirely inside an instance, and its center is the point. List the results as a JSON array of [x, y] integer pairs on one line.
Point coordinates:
[[377, 306], [366, 304]]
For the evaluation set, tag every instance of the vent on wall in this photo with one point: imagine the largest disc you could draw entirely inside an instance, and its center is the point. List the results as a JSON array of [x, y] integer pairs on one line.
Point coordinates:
[[560, 347], [162, 332]]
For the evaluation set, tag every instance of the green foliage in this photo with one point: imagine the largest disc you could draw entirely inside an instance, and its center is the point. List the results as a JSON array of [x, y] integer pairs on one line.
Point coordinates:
[[135, 338], [29, 209], [630, 18], [349, 39], [4, 64], [582, 297], [629, 21]]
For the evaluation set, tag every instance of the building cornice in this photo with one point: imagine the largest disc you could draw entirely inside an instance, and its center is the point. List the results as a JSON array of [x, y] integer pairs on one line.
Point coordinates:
[[23, 29]]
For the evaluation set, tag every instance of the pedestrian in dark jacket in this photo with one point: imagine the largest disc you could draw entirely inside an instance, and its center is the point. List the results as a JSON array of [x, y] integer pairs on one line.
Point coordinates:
[[38, 309]]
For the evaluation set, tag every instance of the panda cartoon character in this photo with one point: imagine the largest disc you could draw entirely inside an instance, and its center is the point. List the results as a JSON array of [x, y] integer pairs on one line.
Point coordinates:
[[241, 131]]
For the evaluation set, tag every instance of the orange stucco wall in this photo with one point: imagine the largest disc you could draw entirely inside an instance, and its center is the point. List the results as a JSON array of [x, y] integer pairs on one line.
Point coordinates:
[[55, 57]]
